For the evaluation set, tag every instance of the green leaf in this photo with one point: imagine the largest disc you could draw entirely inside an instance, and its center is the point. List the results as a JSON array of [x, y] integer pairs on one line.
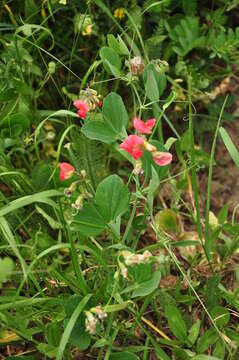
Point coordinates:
[[230, 146], [205, 357], [220, 349], [9, 236], [167, 220], [189, 7], [176, 322], [99, 130], [116, 307], [117, 45], [207, 339], [67, 332], [22, 357], [89, 221], [42, 197], [114, 111], [112, 198], [124, 355], [123, 48], [220, 315], [111, 61], [48, 350], [222, 216], [147, 287], [79, 337], [41, 176], [154, 82], [114, 122], [194, 332], [185, 36], [6, 268], [52, 222], [53, 333]]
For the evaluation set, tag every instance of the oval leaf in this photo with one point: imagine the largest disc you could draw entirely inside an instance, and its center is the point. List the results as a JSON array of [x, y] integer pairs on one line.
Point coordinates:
[[176, 322], [112, 198]]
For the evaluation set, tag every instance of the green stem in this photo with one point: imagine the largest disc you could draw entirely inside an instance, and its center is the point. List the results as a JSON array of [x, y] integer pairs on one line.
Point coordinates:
[[208, 243], [76, 266], [158, 125], [193, 172], [130, 221]]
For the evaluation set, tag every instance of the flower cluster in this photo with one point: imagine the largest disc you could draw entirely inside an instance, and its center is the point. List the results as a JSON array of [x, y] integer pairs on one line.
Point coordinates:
[[92, 318], [131, 259], [135, 145], [89, 100]]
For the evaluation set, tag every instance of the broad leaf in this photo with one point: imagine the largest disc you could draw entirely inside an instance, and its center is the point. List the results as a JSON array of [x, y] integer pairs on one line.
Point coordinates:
[[112, 198], [114, 111], [113, 124], [117, 45], [220, 315], [194, 332], [176, 322], [111, 61], [89, 221], [154, 82], [207, 339], [147, 287], [6, 268], [99, 130]]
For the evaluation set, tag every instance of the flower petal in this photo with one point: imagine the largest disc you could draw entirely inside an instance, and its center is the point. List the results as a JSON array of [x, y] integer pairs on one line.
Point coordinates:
[[143, 127], [162, 158], [133, 145], [66, 171]]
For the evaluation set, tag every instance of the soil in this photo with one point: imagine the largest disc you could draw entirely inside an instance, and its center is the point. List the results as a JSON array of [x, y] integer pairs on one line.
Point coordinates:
[[225, 179]]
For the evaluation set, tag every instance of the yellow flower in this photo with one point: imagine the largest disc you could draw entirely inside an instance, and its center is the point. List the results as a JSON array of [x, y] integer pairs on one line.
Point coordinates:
[[87, 30], [119, 13]]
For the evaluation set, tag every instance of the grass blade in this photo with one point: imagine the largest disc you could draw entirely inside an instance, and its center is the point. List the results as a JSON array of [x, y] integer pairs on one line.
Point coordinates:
[[208, 243], [29, 199], [70, 325], [230, 146]]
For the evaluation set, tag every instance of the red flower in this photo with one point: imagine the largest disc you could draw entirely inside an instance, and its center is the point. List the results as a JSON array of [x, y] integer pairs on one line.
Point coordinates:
[[162, 158], [82, 107], [66, 171], [99, 103], [133, 144], [143, 127]]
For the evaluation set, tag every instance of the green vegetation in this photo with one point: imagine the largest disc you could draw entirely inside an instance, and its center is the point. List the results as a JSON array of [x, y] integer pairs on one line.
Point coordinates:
[[118, 241]]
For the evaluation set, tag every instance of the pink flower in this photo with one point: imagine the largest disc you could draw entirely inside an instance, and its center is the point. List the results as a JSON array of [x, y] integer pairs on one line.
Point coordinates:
[[66, 171], [143, 127], [133, 144], [82, 108], [162, 158]]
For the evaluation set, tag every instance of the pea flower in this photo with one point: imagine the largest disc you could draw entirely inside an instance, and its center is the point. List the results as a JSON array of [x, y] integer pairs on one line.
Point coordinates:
[[82, 108], [90, 322], [119, 13], [162, 158], [133, 144], [66, 171], [143, 127]]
